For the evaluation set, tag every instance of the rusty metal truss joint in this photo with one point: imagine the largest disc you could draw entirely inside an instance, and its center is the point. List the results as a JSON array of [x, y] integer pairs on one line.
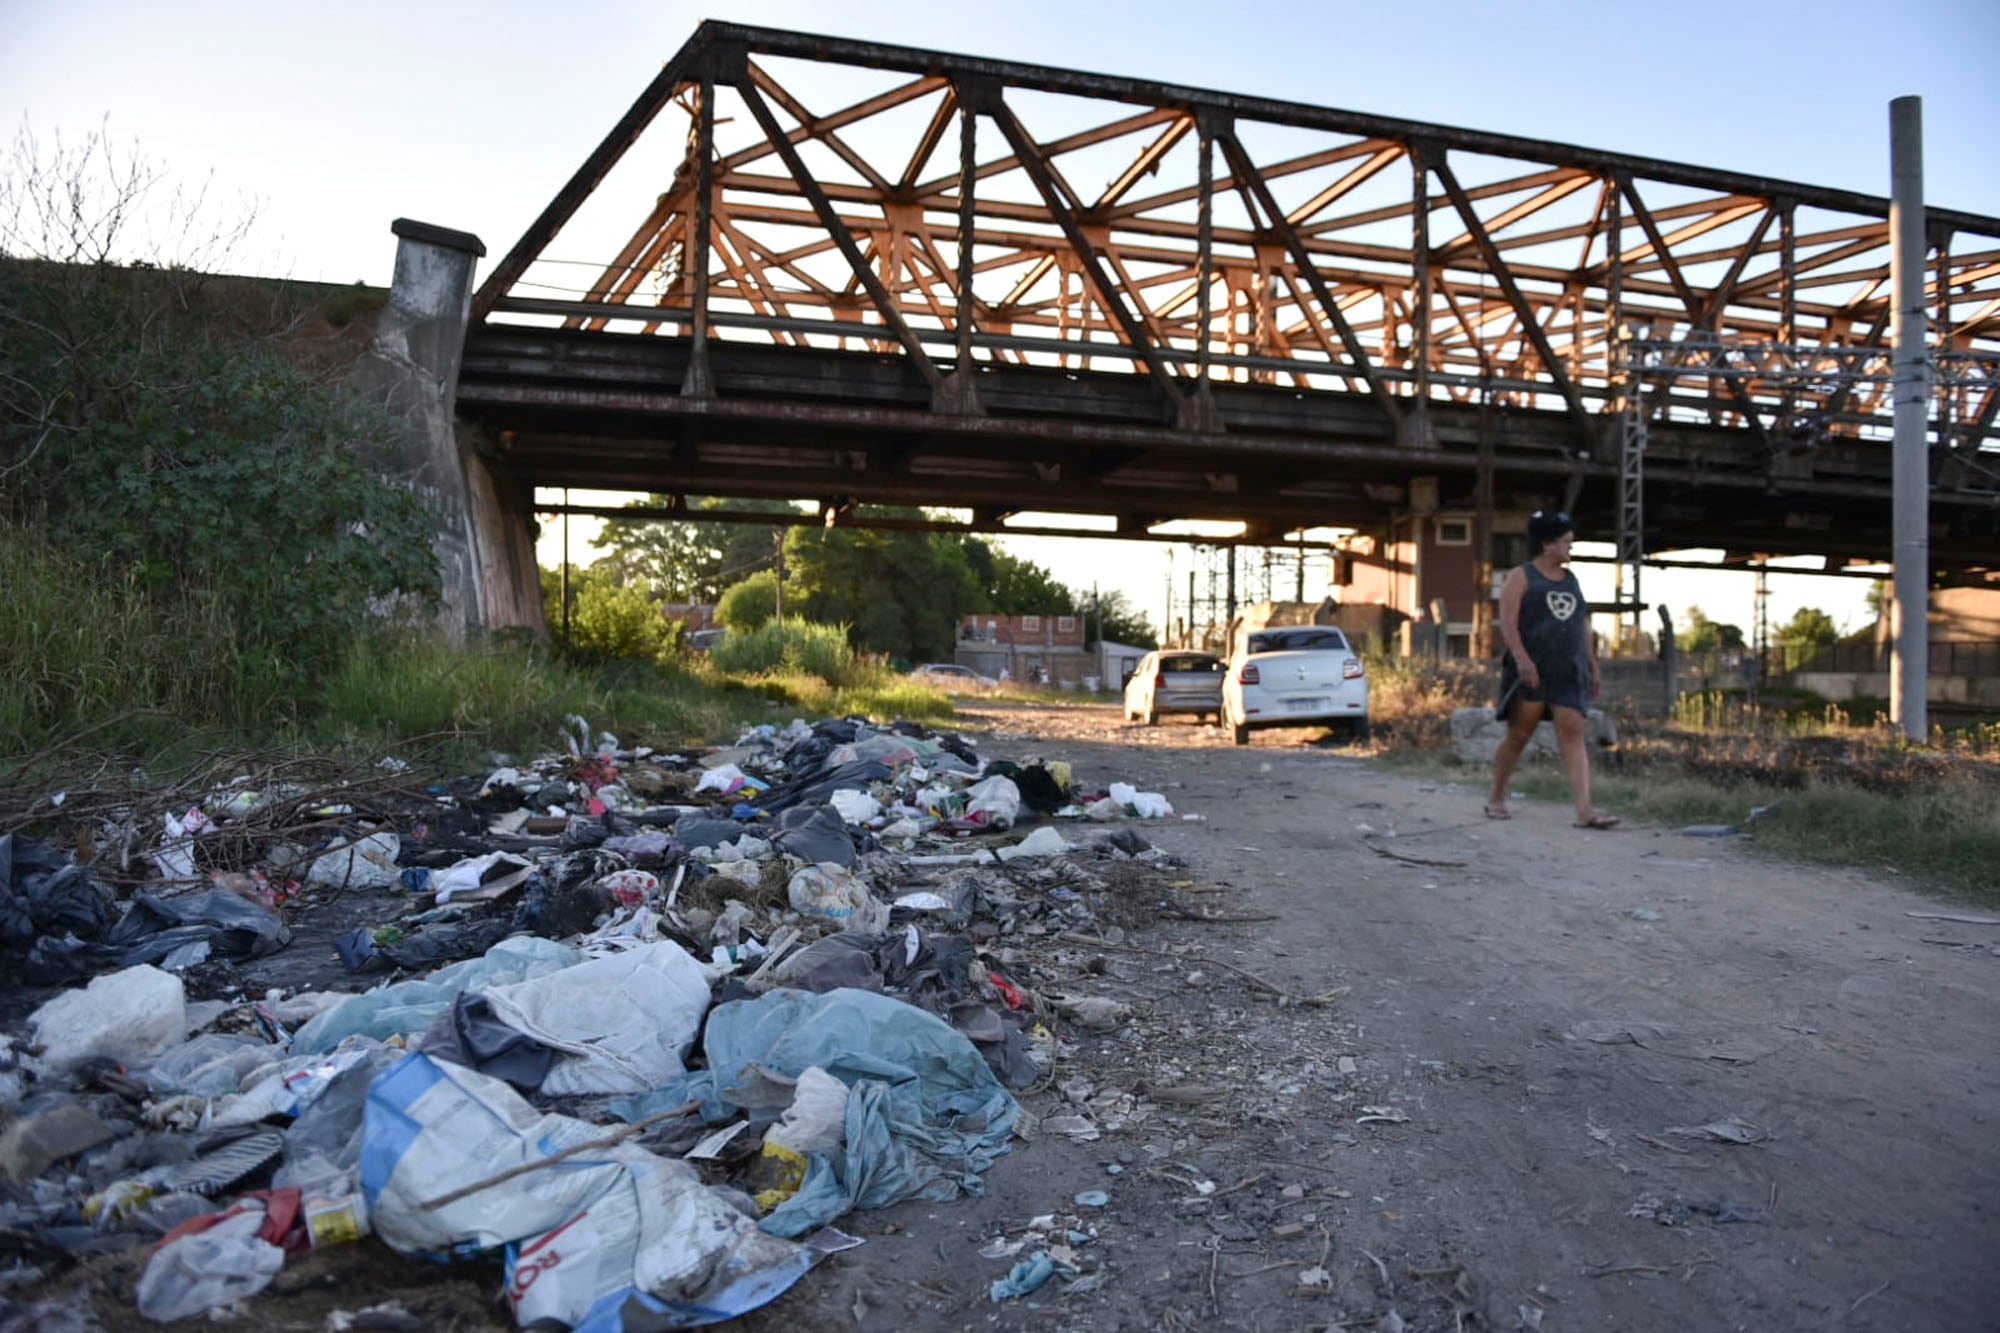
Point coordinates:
[[723, 60], [979, 94]]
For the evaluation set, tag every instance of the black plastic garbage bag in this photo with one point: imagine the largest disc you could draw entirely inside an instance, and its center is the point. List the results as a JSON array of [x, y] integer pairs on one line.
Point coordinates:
[[815, 833], [42, 892], [815, 790], [153, 927], [234, 926], [695, 832]]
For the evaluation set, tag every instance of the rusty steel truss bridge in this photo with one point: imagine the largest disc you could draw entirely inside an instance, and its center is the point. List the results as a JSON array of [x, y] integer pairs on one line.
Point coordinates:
[[872, 275]]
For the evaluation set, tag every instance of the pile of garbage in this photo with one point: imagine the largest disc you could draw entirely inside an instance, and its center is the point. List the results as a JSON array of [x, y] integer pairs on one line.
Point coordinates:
[[645, 1024]]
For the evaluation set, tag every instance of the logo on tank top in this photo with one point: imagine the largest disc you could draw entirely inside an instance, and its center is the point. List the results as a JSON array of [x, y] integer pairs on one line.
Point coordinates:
[[1562, 605]]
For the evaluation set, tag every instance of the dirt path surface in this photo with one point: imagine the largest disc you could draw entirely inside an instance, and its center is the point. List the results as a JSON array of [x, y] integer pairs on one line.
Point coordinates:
[[1497, 1122]]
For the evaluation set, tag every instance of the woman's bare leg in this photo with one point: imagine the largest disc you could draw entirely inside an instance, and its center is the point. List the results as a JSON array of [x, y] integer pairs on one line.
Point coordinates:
[[1521, 722], [1576, 760]]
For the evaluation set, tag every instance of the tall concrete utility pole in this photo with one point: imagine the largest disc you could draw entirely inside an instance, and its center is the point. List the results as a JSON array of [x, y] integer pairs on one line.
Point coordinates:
[[1909, 663]]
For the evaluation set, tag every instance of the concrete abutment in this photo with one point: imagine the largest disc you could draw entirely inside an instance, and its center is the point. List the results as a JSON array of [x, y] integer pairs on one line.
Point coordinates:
[[485, 527]]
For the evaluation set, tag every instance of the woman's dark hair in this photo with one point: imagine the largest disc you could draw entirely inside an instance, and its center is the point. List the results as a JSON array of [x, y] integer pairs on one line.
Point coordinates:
[[1544, 526]]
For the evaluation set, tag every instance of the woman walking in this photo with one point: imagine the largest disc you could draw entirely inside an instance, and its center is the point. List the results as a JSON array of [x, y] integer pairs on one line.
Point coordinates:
[[1550, 667]]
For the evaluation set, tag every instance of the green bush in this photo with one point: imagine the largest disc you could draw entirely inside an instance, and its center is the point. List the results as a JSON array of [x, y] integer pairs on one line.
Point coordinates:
[[750, 604], [608, 619], [154, 430], [793, 645]]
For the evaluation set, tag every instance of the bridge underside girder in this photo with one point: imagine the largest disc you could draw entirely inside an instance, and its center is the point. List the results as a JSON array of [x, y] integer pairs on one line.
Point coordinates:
[[573, 408]]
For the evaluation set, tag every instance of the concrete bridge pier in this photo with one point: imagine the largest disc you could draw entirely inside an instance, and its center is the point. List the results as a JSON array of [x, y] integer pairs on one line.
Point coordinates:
[[485, 535]]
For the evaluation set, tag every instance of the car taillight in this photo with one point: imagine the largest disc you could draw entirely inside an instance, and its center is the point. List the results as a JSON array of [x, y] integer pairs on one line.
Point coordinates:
[[1248, 676], [1350, 668], [1159, 682]]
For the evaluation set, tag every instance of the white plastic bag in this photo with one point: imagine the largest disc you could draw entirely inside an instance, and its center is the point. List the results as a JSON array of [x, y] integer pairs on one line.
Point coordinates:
[[816, 1121], [479, 878], [724, 778], [1044, 841], [624, 1022], [996, 797], [366, 863], [827, 890], [1144, 804], [225, 1263], [128, 1015], [855, 807], [607, 1228]]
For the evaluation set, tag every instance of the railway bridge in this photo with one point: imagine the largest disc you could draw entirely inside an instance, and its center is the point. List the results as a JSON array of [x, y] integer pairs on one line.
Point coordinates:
[[831, 270]]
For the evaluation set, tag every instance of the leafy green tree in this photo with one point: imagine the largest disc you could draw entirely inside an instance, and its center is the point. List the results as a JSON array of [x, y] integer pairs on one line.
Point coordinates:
[[690, 560], [1809, 630], [900, 593], [1699, 634], [750, 603], [1020, 587], [1117, 620], [608, 618]]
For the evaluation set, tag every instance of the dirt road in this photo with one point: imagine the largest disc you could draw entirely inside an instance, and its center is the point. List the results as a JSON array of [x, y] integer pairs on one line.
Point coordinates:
[[1497, 1124]]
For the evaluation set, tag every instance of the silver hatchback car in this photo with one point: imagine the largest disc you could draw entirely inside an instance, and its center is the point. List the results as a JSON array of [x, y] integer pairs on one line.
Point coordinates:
[[1175, 681]]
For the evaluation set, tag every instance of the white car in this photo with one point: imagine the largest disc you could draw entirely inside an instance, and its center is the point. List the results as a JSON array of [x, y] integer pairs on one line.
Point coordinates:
[[1296, 676], [1174, 682], [950, 675]]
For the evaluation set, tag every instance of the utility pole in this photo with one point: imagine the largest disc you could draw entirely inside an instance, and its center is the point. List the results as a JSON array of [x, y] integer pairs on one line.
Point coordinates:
[[1167, 621], [778, 563], [1097, 634], [565, 573], [1229, 603], [1909, 665], [1190, 610]]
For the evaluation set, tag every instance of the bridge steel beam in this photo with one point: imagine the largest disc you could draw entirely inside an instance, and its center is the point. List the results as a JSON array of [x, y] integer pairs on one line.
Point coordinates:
[[829, 266]]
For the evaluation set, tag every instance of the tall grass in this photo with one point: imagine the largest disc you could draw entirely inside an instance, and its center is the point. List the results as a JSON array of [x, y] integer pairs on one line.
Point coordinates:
[[883, 697], [1411, 699], [86, 649], [93, 662], [1945, 833], [513, 697], [792, 645]]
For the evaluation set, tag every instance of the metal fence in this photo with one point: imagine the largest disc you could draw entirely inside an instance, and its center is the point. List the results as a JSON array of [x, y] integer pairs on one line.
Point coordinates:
[[1948, 657]]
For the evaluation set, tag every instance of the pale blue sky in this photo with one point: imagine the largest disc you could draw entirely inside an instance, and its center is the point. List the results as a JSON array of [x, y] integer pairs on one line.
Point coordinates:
[[337, 118]]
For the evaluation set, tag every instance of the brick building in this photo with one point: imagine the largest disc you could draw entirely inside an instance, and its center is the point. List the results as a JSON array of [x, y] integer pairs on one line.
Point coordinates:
[[1425, 562], [1027, 648]]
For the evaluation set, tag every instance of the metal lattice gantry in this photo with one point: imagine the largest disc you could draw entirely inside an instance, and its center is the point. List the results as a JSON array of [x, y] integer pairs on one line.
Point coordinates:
[[969, 281]]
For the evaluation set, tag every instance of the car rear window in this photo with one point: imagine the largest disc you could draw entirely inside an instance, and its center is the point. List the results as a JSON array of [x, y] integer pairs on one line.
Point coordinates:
[[1207, 666], [1299, 640]]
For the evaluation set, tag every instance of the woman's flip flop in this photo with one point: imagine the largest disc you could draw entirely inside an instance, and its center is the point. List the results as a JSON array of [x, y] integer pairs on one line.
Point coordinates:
[[1599, 820], [1498, 812]]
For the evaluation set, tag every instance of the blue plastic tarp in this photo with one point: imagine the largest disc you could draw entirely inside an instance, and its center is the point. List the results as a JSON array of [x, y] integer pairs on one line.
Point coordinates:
[[925, 1114], [408, 1008]]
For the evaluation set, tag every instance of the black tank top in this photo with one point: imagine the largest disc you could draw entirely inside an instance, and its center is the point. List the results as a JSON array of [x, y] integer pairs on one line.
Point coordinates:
[[1555, 626]]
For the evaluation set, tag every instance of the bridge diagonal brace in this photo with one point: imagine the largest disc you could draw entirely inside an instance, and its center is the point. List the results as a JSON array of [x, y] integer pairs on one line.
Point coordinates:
[[588, 177], [1972, 431], [1698, 312], [1030, 158], [1246, 171], [829, 218], [1502, 275]]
